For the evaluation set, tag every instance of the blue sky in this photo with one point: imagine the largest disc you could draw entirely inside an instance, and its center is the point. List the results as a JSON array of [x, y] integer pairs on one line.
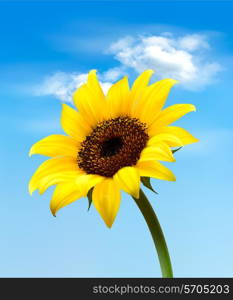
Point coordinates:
[[46, 49]]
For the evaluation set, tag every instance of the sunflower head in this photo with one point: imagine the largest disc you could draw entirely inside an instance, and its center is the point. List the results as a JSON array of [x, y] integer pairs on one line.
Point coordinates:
[[112, 142], [112, 145]]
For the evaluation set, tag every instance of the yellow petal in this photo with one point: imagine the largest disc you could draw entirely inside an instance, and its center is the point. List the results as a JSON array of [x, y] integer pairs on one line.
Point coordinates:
[[173, 113], [94, 85], [118, 98], [56, 178], [73, 123], [168, 138], [152, 100], [139, 104], [90, 100], [183, 135], [85, 182], [106, 198], [56, 145], [53, 171], [64, 194], [159, 151], [128, 180], [140, 83], [155, 169]]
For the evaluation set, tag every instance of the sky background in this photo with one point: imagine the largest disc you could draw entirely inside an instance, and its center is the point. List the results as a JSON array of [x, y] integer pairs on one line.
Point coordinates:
[[46, 50]]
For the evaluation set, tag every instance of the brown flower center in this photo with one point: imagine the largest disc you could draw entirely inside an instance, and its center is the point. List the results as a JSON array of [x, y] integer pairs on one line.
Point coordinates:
[[112, 145]]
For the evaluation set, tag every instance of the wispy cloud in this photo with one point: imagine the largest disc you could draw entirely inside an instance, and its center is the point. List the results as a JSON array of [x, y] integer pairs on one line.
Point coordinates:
[[184, 58], [62, 85]]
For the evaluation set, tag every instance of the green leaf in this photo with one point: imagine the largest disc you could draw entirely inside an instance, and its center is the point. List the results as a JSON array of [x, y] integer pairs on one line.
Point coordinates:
[[89, 196], [146, 182], [175, 150]]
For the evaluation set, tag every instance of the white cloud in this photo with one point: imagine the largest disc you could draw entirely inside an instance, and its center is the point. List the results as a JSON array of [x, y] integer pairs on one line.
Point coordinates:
[[193, 42], [112, 74], [183, 58], [62, 85]]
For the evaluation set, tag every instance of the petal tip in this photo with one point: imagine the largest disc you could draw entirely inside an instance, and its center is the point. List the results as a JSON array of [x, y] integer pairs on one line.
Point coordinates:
[[136, 192], [92, 76], [136, 195], [30, 152], [173, 178], [53, 210], [109, 225], [151, 71], [109, 221], [93, 71], [64, 106], [194, 108], [174, 82], [30, 189]]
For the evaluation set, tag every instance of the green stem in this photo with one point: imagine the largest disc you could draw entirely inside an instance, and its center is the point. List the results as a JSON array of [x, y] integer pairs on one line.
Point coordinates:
[[157, 234]]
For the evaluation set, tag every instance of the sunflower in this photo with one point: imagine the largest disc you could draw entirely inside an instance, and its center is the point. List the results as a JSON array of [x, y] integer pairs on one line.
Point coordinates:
[[112, 143]]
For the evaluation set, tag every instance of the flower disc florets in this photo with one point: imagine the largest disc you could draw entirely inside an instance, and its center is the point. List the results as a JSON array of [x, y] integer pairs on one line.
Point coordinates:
[[112, 145]]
